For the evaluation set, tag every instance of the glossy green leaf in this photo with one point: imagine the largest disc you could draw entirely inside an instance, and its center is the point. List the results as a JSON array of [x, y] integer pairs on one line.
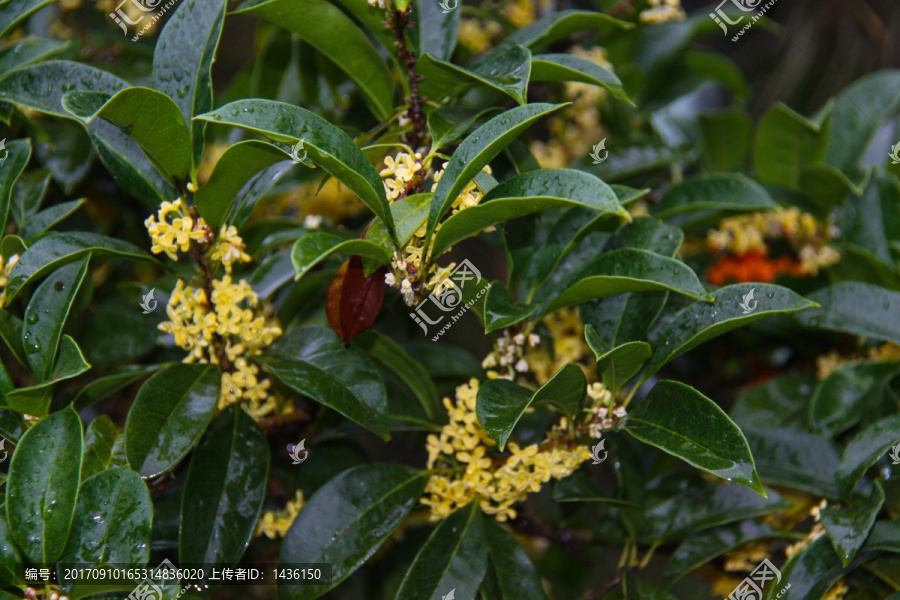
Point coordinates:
[[30, 50], [100, 388], [16, 11], [559, 25], [794, 459], [864, 450], [619, 364], [342, 42], [41, 87], [516, 577], [501, 403], [315, 247], [525, 194], [885, 535], [19, 155], [848, 527], [725, 138], [873, 220], [704, 546], [237, 166], [849, 392], [786, 142], [453, 558], [42, 486], [346, 521], [717, 191], [326, 145], [149, 117], [224, 490], [313, 362], [811, 573], [437, 29], [46, 316], [628, 270], [506, 71], [678, 419], [501, 310], [406, 368], [35, 399], [780, 402], [169, 414], [56, 249], [112, 520], [571, 67], [9, 554], [703, 321], [477, 150], [857, 308], [99, 440], [47, 218], [449, 123], [11, 332]]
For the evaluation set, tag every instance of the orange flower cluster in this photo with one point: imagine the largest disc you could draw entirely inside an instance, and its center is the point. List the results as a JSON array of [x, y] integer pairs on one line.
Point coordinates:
[[752, 266]]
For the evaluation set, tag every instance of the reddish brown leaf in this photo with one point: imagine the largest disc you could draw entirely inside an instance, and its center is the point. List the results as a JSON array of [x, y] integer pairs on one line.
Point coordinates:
[[354, 300]]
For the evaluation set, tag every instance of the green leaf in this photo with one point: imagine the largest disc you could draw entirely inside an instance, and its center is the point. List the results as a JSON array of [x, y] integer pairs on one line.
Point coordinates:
[[28, 194], [780, 402], [678, 419], [717, 191], [501, 310], [628, 270], [237, 166], [149, 117], [409, 214], [29, 50], [169, 414], [516, 577], [873, 220], [849, 527], [725, 138], [786, 142], [182, 62], [9, 554], [449, 123], [437, 30], [477, 150], [794, 459], [407, 369], [15, 11], [525, 194], [313, 362], [811, 573], [703, 321], [857, 308], [56, 249], [19, 155], [453, 558], [112, 520], [570, 67], [618, 364], [224, 490], [506, 71], [885, 535], [46, 316], [11, 332], [848, 393], [501, 403], [99, 441], [559, 25], [859, 112], [315, 247], [326, 145], [43, 484], [35, 399], [41, 87], [702, 547], [47, 218], [346, 521], [100, 388], [864, 450], [342, 42]]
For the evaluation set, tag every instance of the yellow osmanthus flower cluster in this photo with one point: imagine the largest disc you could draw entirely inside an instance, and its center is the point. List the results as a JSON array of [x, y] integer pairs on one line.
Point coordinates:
[[464, 443], [275, 524], [827, 363], [749, 233], [6, 267], [222, 323], [399, 172], [509, 355], [567, 333], [662, 11]]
